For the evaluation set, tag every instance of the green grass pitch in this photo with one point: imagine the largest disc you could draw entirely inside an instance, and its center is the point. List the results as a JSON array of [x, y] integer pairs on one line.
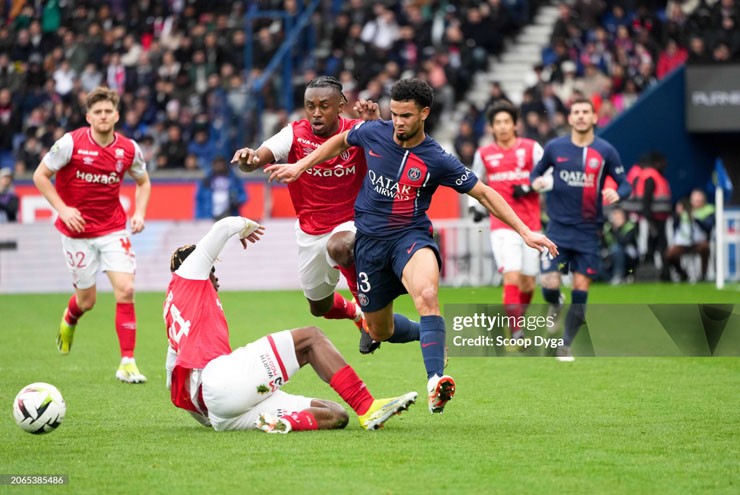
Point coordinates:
[[598, 425]]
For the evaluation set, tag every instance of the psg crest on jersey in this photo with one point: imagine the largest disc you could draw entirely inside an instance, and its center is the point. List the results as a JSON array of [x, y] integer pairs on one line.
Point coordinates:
[[594, 163], [414, 174]]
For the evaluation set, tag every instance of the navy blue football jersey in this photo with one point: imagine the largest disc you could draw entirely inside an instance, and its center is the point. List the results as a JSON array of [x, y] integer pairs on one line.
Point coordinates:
[[400, 182], [578, 178]]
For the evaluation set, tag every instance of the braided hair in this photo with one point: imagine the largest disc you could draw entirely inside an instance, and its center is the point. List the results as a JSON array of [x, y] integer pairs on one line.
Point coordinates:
[[179, 256], [327, 82]]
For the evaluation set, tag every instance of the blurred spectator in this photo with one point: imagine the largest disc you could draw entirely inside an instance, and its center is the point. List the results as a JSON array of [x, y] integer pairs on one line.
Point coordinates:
[[693, 223], [220, 194], [8, 197], [615, 18], [568, 83], [9, 127], [133, 127], [173, 151], [382, 31], [150, 150], [620, 242], [670, 58], [11, 77], [588, 13], [203, 148], [651, 203], [721, 52], [698, 53]]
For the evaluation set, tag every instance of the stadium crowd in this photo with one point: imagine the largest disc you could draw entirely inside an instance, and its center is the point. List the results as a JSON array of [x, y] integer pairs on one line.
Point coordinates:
[[186, 95], [610, 52]]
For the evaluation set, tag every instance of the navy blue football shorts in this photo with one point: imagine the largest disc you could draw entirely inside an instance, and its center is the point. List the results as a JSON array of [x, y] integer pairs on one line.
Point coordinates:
[[577, 253], [380, 265]]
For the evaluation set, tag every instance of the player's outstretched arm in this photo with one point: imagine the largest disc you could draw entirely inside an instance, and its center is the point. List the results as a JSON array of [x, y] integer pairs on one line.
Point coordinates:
[[498, 207], [289, 172], [198, 265], [250, 159]]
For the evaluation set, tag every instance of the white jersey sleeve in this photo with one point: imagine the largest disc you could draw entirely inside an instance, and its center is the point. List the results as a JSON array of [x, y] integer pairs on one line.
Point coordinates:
[[198, 265], [60, 153], [537, 153], [280, 144], [138, 167]]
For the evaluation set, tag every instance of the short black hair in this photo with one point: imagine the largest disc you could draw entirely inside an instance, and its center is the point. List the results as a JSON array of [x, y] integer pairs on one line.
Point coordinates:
[[416, 90], [503, 106], [327, 82], [179, 256]]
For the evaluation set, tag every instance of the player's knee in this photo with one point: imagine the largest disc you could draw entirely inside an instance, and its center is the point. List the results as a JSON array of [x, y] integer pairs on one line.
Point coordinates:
[[550, 280], [320, 308], [125, 293], [340, 248], [428, 298], [379, 333], [526, 284], [314, 336]]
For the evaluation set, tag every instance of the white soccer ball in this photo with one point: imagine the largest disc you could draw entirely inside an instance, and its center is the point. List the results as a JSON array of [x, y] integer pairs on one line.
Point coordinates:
[[39, 408]]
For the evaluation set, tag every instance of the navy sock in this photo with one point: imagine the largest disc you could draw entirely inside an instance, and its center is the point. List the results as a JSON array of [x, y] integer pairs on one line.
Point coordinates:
[[576, 316], [552, 296], [404, 330], [432, 330]]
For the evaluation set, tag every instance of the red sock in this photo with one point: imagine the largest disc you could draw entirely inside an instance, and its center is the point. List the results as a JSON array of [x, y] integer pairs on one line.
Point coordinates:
[[350, 274], [342, 309], [126, 328], [512, 301], [73, 311], [302, 421], [348, 385], [511, 304], [525, 298]]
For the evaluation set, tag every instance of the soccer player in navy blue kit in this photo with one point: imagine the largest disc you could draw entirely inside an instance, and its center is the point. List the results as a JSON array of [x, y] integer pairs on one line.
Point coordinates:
[[580, 164], [394, 249]]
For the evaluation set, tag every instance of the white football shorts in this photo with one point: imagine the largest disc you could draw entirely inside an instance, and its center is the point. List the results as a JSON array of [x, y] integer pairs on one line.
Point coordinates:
[[316, 270], [85, 257], [512, 254], [238, 387]]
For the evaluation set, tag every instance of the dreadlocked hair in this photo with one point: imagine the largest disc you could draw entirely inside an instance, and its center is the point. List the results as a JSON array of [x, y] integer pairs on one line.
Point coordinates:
[[327, 82], [179, 256]]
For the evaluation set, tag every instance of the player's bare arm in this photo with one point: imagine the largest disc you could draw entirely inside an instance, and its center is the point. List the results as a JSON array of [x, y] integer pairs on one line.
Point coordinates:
[[497, 206], [143, 192], [250, 159], [289, 172], [71, 217]]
